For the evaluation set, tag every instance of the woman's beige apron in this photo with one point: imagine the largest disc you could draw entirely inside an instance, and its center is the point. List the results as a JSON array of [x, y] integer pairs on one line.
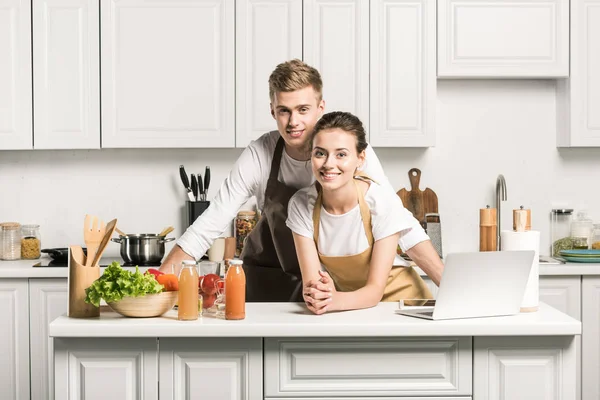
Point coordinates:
[[269, 255], [350, 273]]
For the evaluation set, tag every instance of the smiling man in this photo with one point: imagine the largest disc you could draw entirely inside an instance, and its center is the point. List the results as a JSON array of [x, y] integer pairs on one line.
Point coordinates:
[[273, 168]]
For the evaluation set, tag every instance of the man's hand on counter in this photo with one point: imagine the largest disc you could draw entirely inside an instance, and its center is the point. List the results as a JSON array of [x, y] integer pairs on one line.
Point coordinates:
[[175, 257]]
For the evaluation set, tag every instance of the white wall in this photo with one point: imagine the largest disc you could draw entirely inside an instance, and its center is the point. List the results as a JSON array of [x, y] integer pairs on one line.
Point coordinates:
[[484, 128]]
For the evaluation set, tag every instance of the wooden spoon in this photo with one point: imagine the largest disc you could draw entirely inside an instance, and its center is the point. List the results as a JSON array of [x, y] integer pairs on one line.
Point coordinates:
[[120, 232], [110, 228], [93, 232], [166, 231]]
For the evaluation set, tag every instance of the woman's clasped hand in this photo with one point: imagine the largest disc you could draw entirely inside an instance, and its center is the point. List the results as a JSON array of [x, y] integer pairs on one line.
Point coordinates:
[[320, 295]]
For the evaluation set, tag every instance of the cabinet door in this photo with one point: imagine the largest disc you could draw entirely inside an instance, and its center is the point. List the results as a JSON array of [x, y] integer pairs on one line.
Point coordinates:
[[47, 301], [100, 369], [14, 339], [524, 368], [403, 76], [503, 38], [268, 32], [208, 368], [167, 73], [578, 98], [590, 338], [66, 52], [336, 42], [15, 75]]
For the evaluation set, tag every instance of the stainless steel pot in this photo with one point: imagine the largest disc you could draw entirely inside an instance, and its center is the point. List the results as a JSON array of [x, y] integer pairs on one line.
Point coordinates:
[[143, 249]]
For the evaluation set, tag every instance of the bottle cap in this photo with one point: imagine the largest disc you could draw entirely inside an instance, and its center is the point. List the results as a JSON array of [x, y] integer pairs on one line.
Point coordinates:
[[236, 262], [188, 262]]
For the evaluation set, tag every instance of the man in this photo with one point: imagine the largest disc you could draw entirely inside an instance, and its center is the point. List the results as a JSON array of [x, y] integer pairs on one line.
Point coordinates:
[[273, 168]]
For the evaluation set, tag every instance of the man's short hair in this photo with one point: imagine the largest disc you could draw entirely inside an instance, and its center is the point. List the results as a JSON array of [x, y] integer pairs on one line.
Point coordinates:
[[294, 75]]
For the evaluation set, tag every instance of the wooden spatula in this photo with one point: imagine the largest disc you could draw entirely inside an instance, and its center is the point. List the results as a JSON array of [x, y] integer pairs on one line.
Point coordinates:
[[93, 232], [166, 231], [110, 228]]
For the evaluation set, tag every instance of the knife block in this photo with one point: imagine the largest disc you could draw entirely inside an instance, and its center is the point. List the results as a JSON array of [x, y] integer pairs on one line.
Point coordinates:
[[80, 278], [194, 209]]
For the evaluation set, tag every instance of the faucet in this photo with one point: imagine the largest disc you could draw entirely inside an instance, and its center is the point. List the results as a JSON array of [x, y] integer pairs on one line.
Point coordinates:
[[500, 196]]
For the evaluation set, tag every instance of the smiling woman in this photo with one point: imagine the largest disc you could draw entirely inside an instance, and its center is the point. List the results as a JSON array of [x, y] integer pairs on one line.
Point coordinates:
[[349, 225]]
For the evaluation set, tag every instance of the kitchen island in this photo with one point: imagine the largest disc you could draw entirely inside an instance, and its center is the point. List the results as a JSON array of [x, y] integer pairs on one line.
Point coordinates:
[[281, 351]]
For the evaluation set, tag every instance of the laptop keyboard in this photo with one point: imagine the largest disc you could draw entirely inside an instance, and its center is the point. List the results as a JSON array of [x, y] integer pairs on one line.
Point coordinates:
[[428, 313]]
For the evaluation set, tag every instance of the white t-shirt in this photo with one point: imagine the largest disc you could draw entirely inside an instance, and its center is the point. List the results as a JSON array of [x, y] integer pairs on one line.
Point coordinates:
[[248, 178], [344, 235]]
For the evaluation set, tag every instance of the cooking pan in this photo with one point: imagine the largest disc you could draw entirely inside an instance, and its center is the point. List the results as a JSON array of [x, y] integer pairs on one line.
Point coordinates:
[[60, 254]]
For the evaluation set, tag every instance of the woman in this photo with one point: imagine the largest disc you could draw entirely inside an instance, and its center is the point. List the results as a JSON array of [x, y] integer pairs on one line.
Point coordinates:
[[349, 225]]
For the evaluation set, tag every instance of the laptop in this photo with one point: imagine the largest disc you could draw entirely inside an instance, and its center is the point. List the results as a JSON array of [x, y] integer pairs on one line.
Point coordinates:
[[484, 284]]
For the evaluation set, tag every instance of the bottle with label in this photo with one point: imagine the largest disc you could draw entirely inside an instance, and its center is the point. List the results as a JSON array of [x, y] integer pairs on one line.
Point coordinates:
[[235, 291], [187, 309]]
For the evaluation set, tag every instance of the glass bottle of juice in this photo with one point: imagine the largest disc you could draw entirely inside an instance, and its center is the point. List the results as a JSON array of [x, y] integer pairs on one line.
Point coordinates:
[[235, 289], [188, 291]]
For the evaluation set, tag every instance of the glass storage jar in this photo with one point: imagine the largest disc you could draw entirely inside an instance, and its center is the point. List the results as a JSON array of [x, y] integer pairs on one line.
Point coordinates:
[[581, 231], [244, 223], [596, 237], [11, 241], [30, 242], [560, 227]]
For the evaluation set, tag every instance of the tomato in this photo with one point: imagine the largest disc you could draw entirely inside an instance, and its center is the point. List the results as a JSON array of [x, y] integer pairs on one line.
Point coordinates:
[[208, 300], [154, 272], [208, 283], [169, 281]]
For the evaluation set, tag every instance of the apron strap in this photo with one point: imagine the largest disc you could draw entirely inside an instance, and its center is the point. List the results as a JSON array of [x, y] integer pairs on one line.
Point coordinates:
[[274, 174]]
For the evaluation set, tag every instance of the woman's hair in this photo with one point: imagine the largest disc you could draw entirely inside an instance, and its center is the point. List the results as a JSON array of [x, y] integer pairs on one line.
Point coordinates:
[[344, 121], [294, 75]]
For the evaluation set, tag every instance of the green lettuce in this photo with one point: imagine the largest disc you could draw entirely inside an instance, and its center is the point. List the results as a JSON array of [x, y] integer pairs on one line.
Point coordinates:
[[116, 283]]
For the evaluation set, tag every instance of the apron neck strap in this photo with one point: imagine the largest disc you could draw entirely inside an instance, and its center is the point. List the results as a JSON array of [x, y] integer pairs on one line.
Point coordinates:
[[275, 164]]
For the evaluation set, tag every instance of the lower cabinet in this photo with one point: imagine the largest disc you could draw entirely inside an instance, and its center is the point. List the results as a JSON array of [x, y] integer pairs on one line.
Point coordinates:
[[207, 368], [340, 367], [100, 369], [14, 339], [47, 301], [590, 338]]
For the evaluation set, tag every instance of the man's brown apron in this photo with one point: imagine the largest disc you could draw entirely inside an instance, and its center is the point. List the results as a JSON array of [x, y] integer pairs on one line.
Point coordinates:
[[269, 255], [350, 273]]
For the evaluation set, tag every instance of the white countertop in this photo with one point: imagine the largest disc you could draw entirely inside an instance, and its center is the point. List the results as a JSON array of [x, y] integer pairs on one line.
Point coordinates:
[[294, 320], [25, 269]]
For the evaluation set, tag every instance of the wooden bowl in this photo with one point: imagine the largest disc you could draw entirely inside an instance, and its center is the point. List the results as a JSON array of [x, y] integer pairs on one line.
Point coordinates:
[[150, 305]]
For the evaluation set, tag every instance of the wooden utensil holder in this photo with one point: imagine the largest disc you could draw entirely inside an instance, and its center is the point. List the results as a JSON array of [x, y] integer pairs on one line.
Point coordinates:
[[80, 278]]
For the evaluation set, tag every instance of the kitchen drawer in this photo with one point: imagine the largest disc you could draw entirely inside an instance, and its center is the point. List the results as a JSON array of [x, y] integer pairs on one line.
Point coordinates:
[[330, 367]]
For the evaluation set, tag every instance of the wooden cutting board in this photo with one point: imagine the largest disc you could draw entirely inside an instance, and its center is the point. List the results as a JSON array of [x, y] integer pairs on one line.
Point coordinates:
[[416, 201]]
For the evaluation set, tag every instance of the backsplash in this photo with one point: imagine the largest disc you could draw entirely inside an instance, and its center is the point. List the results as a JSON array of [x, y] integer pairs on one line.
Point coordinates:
[[484, 128]]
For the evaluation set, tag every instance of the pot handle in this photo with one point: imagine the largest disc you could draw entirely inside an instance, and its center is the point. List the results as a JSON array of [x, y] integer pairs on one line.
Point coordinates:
[[165, 240], [116, 240]]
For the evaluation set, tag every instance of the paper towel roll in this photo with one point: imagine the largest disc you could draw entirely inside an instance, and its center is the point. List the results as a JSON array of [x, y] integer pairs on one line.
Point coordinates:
[[529, 240]]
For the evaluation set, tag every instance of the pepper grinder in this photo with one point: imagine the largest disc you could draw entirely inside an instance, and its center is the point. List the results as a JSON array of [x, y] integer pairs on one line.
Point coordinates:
[[487, 229]]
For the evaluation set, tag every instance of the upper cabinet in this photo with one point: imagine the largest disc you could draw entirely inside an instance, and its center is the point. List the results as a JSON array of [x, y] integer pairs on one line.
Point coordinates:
[[167, 73], [66, 80], [268, 32], [15, 75], [503, 38], [336, 42], [578, 98], [402, 74]]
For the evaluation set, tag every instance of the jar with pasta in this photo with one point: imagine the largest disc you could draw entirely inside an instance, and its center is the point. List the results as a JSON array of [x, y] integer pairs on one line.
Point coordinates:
[[244, 223], [30, 242], [11, 240]]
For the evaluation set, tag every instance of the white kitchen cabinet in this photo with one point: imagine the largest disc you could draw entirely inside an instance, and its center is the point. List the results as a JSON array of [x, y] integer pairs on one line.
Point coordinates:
[[268, 32], [113, 368], [336, 42], [590, 338], [341, 367], [66, 81], [47, 301], [210, 368], [503, 38], [15, 75], [403, 75], [578, 98], [516, 368], [167, 69], [14, 339]]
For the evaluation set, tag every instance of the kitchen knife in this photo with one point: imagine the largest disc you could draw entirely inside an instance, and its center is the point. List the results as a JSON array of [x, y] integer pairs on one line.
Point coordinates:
[[200, 188], [206, 181], [186, 183], [195, 187]]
